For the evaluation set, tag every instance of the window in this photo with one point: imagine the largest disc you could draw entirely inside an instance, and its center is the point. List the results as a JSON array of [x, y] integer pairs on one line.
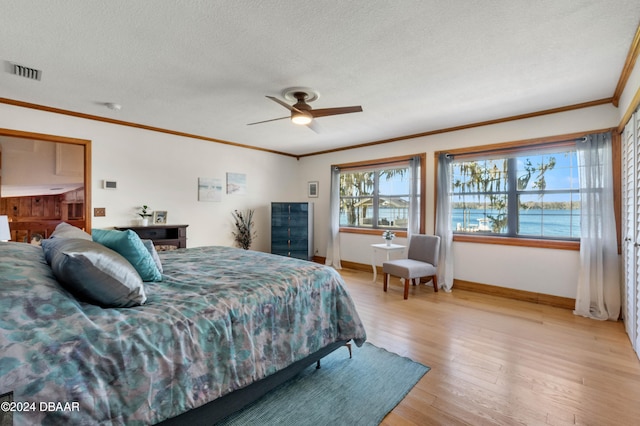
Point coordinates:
[[530, 193], [377, 196]]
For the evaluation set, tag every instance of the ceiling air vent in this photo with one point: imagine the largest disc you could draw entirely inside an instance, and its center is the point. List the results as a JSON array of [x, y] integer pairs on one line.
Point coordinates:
[[31, 73]]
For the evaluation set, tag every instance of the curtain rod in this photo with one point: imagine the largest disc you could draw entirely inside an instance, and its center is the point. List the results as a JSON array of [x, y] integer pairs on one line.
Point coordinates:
[[516, 148], [377, 163]]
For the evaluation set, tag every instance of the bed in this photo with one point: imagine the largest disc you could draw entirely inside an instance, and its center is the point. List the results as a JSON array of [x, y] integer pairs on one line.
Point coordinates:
[[222, 327]]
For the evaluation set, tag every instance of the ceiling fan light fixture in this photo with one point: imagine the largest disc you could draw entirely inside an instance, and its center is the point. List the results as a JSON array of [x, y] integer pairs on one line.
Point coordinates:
[[301, 118], [301, 113]]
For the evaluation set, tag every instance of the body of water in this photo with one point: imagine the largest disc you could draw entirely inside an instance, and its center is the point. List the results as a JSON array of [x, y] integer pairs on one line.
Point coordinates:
[[538, 222], [534, 222]]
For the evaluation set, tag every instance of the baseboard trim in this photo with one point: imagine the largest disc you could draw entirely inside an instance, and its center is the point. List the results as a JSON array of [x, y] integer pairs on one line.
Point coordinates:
[[351, 265], [509, 293]]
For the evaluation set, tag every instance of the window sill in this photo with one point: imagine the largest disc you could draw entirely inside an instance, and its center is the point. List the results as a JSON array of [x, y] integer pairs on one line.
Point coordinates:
[[483, 239], [522, 242], [365, 231]]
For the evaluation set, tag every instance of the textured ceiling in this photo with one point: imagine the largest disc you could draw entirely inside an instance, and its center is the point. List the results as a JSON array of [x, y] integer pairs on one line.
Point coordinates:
[[204, 67]]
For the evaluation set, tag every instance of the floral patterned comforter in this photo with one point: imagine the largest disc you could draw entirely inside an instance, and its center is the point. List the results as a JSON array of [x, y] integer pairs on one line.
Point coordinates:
[[221, 319]]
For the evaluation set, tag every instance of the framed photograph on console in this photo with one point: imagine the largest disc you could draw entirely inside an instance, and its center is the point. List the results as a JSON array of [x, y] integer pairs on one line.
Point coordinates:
[[160, 217]]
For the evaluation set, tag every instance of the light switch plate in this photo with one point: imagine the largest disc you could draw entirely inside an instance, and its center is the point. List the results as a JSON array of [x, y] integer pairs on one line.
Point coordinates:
[[99, 211]]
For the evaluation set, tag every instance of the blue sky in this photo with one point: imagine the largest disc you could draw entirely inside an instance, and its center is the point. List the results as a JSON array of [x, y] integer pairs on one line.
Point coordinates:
[[564, 175]]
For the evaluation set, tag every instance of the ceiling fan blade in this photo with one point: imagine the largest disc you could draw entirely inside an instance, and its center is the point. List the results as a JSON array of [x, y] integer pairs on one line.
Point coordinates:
[[335, 111], [314, 126], [266, 121], [284, 104]]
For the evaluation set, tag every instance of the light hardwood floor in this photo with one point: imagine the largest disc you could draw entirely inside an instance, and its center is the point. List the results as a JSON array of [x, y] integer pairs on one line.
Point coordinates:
[[500, 361]]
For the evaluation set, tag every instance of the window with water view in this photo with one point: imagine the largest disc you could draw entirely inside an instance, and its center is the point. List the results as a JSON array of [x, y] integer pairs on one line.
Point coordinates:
[[534, 195], [375, 198]]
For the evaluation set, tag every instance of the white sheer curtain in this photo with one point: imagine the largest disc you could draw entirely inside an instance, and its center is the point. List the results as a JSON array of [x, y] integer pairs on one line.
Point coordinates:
[[598, 294], [413, 225], [443, 222], [333, 244]]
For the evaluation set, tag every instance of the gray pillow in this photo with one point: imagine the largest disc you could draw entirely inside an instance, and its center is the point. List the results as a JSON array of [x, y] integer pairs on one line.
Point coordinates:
[[64, 230], [154, 253], [94, 272]]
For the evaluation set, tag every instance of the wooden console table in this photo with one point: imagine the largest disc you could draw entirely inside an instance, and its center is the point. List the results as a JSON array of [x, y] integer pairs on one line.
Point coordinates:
[[161, 235]]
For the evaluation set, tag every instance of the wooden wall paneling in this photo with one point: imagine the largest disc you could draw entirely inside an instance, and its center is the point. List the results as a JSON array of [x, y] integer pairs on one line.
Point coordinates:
[[12, 207], [37, 207], [52, 207]]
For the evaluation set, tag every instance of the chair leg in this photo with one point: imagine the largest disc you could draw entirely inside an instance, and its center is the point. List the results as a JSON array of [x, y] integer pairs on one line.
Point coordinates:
[[385, 281], [413, 280], [406, 288], [435, 283]]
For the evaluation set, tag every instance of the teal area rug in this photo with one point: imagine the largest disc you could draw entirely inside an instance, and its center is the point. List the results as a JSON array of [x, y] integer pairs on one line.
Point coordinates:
[[356, 391]]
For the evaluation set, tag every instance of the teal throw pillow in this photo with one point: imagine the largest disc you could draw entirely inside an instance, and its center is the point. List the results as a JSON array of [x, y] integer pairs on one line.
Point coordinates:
[[129, 245]]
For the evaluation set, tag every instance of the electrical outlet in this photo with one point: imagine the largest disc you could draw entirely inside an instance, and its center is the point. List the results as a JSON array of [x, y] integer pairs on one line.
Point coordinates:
[[99, 211]]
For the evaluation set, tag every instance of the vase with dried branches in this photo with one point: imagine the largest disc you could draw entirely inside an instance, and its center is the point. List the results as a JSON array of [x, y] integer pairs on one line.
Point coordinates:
[[244, 234]]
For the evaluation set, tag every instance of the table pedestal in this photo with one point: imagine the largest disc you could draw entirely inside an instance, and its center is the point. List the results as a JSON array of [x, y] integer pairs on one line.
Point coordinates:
[[385, 248]]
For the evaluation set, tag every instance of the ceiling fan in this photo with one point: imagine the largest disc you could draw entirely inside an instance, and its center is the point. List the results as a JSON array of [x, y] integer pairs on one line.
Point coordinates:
[[301, 112]]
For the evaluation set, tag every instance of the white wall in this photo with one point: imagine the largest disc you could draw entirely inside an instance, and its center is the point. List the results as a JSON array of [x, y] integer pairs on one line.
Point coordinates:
[[162, 171], [532, 269]]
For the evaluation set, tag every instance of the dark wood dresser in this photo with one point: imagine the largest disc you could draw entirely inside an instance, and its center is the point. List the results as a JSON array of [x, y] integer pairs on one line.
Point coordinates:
[[292, 230], [162, 235]]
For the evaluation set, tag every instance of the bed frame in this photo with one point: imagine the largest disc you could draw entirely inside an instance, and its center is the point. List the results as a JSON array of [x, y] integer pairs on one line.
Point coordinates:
[[226, 405]]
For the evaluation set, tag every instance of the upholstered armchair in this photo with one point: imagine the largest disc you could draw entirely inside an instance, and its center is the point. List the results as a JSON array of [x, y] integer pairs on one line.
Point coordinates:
[[421, 261]]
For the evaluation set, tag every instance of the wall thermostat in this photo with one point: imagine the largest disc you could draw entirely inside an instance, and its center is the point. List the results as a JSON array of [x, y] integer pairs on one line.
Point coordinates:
[[109, 184]]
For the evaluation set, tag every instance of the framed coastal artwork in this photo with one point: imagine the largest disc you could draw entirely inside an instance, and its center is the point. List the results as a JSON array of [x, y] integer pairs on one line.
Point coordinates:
[[210, 189], [236, 183]]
